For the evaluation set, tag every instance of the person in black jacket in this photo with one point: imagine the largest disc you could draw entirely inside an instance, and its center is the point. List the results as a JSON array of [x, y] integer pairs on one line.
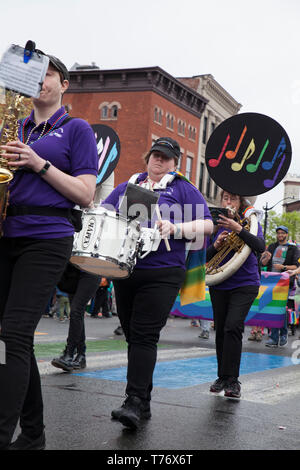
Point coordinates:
[[280, 257]]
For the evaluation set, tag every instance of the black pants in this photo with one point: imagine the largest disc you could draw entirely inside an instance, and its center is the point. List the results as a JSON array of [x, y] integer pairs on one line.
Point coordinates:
[[230, 309], [86, 288], [101, 301], [144, 301], [30, 269]]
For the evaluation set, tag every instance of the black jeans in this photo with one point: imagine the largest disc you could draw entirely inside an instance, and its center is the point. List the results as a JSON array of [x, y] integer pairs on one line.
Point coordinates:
[[30, 270], [85, 290], [101, 300], [144, 301], [230, 309]]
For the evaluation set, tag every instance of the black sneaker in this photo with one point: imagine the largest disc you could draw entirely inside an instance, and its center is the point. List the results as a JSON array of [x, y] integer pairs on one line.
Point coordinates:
[[64, 362], [119, 331], [218, 385], [132, 411], [232, 388], [24, 442], [79, 361]]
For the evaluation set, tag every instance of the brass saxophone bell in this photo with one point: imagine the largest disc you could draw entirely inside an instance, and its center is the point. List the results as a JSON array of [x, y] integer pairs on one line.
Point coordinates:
[[9, 133]]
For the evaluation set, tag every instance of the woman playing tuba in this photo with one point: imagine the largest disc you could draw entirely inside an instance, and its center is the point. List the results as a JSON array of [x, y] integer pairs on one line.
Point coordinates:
[[232, 298]]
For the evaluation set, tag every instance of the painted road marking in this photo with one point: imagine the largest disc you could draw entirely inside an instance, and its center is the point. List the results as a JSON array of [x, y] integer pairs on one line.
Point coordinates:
[[194, 371], [108, 359]]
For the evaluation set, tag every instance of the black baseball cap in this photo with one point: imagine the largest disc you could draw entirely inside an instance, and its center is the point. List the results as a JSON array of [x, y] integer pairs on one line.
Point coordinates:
[[57, 64], [167, 146]]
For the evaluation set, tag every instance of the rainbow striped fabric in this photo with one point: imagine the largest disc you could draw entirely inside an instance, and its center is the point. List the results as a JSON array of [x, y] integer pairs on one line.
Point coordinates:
[[193, 289], [268, 309]]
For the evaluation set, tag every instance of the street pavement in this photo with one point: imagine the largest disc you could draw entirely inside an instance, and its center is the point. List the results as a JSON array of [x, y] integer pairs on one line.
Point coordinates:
[[186, 417]]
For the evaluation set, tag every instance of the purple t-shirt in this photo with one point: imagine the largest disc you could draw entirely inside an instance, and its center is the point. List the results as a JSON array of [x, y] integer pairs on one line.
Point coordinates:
[[247, 274], [187, 204], [71, 148]]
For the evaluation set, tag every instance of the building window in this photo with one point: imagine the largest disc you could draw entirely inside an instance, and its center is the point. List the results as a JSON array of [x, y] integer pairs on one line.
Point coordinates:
[[204, 133], [109, 111], [169, 121], [68, 107], [181, 127], [201, 177], [188, 170], [104, 112], [114, 111], [215, 192], [192, 133], [213, 126], [179, 162], [158, 115], [208, 183]]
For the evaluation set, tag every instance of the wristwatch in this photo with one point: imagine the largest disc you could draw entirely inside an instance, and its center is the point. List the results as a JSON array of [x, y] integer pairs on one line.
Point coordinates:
[[44, 169], [284, 269]]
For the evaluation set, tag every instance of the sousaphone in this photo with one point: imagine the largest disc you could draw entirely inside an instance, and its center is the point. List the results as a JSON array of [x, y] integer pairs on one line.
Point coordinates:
[[247, 154]]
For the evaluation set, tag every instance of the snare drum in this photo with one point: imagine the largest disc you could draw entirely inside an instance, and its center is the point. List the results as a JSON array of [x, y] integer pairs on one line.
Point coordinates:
[[107, 245]]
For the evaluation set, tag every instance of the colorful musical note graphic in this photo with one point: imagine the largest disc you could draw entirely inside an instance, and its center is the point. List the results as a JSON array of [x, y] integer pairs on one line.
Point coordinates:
[[279, 151], [270, 183], [230, 154], [214, 162], [252, 167], [249, 152]]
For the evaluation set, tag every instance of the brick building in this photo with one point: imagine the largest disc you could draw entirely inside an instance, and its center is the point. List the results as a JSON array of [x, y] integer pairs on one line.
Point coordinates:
[[140, 105]]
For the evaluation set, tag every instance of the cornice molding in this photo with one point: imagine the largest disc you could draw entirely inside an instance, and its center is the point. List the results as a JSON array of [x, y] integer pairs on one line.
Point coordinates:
[[210, 88], [141, 79]]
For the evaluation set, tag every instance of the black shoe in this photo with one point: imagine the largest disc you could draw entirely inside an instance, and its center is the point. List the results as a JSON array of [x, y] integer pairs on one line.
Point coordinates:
[[64, 362], [232, 388], [24, 442], [218, 385], [79, 361], [119, 331], [132, 411]]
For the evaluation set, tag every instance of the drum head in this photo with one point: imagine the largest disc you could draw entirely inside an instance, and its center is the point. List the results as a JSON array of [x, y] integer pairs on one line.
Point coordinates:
[[248, 154], [101, 266]]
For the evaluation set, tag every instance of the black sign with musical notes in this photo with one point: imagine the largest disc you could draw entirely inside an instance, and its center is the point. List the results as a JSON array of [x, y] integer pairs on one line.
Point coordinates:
[[109, 149], [248, 154]]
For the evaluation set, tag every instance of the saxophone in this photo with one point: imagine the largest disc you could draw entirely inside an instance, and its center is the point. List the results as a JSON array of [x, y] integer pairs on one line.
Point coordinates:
[[9, 132]]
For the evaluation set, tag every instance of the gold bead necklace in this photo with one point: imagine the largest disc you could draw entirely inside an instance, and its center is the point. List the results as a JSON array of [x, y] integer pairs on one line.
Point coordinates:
[[33, 129]]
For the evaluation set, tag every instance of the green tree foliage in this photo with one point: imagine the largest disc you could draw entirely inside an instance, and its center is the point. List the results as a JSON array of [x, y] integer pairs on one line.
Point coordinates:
[[290, 219]]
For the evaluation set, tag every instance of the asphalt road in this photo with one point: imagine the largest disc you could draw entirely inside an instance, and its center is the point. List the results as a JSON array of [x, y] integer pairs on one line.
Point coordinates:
[[186, 417]]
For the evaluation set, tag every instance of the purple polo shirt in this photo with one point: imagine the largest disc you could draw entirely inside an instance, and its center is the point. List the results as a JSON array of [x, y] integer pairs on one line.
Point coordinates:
[[247, 274], [188, 204], [72, 149]]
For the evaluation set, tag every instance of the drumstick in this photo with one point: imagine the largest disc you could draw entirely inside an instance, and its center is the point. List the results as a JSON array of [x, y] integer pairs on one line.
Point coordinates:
[[159, 218]]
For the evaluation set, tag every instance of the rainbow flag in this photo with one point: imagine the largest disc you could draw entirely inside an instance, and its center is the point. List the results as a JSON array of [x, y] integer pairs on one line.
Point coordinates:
[[268, 309], [193, 289]]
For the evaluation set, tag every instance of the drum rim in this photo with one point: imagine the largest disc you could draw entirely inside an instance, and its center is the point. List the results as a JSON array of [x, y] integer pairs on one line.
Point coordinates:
[[123, 267]]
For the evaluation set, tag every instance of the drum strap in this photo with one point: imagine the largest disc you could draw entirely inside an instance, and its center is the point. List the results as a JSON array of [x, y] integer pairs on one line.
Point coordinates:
[[73, 215], [167, 179]]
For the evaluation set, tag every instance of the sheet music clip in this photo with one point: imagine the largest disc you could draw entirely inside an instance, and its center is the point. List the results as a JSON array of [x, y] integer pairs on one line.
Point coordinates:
[[28, 51]]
